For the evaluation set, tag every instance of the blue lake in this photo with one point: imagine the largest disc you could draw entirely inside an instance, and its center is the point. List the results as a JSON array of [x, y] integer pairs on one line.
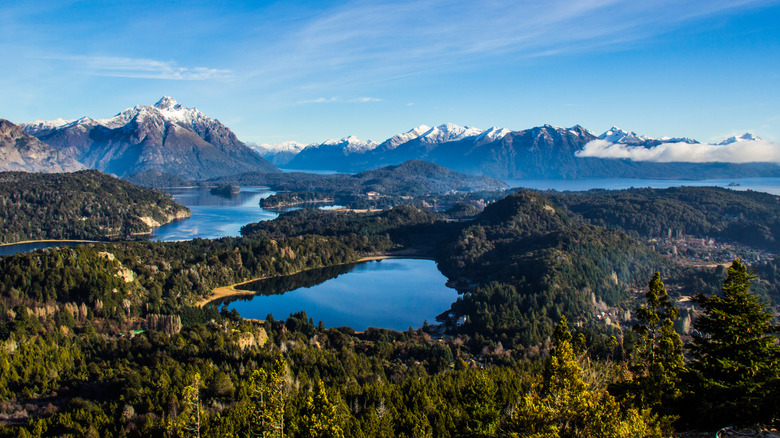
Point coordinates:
[[215, 216], [768, 185], [392, 293], [32, 246]]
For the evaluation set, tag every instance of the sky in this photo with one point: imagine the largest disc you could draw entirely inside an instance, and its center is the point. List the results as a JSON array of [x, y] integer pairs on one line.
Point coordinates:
[[310, 71]]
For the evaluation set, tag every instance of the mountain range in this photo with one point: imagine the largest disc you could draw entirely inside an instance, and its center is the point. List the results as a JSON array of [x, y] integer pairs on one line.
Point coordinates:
[[20, 151], [171, 141], [165, 137], [541, 152]]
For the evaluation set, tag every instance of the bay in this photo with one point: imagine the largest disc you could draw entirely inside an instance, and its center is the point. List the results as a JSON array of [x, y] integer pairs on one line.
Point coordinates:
[[392, 293], [767, 185], [215, 216]]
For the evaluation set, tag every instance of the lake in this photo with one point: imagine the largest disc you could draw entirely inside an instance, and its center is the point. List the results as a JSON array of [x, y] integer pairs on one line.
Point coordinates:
[[390, 293], [215, 216], [768, 185]]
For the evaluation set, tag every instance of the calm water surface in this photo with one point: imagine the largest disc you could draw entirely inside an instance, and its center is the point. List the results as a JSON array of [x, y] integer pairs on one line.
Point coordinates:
[[215, 216], [32, 246], [392, 293], [768, 185]]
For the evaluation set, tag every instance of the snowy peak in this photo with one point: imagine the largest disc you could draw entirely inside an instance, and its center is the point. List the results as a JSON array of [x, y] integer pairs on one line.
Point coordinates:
[[399, 139], [167, 103], [492, 134], [617, 135], [272, 148], [350, 144], [449, 132], [43, 125], [742, 138], [167, 108]]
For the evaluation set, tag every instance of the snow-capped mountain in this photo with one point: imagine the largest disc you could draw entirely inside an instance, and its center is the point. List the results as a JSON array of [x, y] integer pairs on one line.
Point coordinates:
[[398, 139], [448, 132], [617, 135], [285, 146], [742, 138], [165, 136], [278, 154], [20, 151], [541, 152], [348, 145], [492, 134]]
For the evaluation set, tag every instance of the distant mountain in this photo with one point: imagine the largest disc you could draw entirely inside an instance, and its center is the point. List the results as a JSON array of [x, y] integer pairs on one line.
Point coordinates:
[[619, 136], [742, 138], [20, 151], [165, 136], [409, 178], [330, 153], [541, 152], [279, 154]]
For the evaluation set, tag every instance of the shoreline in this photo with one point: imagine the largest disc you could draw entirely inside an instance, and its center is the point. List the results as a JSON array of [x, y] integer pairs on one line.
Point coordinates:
[[24, 242], [222, 292]]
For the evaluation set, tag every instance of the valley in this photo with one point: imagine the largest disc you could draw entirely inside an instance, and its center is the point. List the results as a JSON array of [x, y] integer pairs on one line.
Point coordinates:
[[237, 278]]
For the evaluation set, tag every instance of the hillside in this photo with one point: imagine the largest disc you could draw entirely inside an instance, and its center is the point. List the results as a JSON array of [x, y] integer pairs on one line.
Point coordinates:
[[540, 152], [166, 137], [20, 151], [407, 179], [83, 205], [745, 217]]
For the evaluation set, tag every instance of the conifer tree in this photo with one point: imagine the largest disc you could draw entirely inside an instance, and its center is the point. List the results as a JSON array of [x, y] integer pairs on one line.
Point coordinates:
[[735, 359], [659, 360], [321, 416], [269, 398], [564, 406], [187, 423]]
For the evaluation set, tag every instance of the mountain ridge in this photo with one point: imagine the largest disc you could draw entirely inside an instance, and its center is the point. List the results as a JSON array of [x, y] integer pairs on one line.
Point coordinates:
[[166, 136], [20, 151]]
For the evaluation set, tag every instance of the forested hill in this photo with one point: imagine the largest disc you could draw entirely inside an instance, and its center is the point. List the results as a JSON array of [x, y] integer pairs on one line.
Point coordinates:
[[532, 263], [407, 179], [746, 217], [85, 205]]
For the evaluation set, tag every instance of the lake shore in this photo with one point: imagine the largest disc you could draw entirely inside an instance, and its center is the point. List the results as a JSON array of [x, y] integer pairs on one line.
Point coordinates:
[[233, 291], [24, 242]]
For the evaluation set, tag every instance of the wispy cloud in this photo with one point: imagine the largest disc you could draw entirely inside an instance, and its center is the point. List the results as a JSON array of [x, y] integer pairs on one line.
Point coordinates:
[[140, 68], [736, 152], [340, 100], [381, 41]]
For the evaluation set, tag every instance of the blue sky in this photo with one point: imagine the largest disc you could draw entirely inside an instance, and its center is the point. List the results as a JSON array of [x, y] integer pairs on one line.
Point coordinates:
[[309, 71]]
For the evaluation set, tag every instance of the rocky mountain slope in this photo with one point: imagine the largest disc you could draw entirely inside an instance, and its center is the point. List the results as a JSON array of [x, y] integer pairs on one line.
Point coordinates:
[[541, 152], [165, 136], [20, 151]]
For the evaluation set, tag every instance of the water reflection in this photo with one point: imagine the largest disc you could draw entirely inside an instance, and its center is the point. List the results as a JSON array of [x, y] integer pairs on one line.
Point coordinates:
[[280, 285], [394, 294], [215, 216]]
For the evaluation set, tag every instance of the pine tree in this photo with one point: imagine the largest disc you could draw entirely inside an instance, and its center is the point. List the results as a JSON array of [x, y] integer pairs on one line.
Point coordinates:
[[322, 417], [736, 361], [659, 360], [564, 406], [187, 423], [269, 398]]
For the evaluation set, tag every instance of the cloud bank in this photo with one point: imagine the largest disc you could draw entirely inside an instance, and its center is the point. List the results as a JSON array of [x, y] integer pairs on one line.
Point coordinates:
[[737, 152]]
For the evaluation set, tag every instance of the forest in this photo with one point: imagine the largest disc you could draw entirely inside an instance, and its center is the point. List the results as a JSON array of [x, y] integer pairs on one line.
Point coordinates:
[[85, 205], [564, 327]]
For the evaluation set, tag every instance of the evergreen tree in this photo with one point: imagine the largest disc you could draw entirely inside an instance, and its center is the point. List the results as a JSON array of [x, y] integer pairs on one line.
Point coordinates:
[[734, 357], [564, 406], [188, 422], [659, 360], [269, 399], [322, 417]]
